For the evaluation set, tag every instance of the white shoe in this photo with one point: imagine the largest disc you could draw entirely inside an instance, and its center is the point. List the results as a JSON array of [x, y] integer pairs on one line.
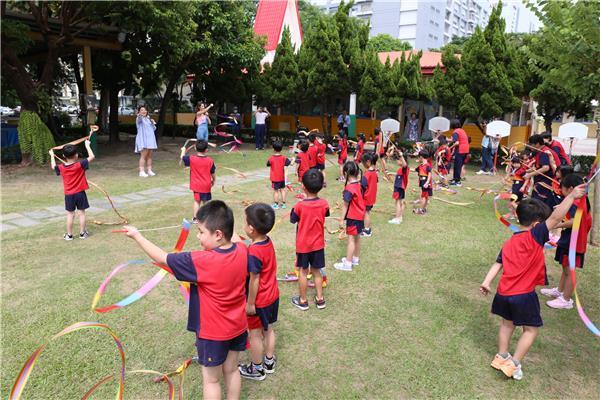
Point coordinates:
[[143, 174], [151, 173], [343, 265], [560, 303], [481, 172], [355, 261], [394, 221], [518, 373], [552, 292]]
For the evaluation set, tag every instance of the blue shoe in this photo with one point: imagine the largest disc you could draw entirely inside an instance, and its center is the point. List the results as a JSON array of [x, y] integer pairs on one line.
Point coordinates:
[[282, 206], [275, 206]]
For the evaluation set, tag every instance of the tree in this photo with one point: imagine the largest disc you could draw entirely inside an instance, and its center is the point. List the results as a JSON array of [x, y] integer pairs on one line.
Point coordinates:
[[373, 81], [353, 37], [384, 42], [449, 86]]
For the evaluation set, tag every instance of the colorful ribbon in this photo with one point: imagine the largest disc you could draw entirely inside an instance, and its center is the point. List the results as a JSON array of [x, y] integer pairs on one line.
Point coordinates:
[[23, 376], [146, 287], [235, 143], [161, 377]]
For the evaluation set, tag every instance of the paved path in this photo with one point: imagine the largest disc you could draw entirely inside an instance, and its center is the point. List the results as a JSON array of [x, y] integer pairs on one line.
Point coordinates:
[[28, 219]]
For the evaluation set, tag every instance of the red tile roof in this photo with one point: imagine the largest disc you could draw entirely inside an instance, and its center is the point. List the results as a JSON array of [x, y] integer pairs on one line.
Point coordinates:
[[429, 59], [269, 21]]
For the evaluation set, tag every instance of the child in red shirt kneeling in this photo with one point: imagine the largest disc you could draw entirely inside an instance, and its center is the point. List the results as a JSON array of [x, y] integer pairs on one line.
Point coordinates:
[[263, 293], [523, 263], [202, 175], [217, 307]]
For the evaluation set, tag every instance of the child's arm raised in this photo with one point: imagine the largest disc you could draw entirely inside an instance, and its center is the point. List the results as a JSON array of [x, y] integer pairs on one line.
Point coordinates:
[[52, 159], [484, 288], [563, 208], [88, 147], [155, 252]]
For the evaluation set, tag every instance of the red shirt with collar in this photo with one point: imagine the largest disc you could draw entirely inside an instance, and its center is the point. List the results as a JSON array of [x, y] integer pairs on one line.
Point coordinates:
[[73, 176], [558, 148], [320, 152], [370, 180], [310, 215], [424, 170], [304, 164], [277, 162], [201, 168], [354, 195], [262, 261], [312, 156], [401, 181]]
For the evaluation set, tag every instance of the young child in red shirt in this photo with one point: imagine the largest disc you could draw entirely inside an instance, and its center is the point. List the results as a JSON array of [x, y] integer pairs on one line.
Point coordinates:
[[360, 148], [310, 215], [523, 264], [400, 184], [202, 175], [369, 181], [263, 293], [278, 162], [74, 186], [353, 213], [321, 147], [342, 150], [425, 181], [217, 306], [443, 156], [562, 294], [313, 151], [302, 160]]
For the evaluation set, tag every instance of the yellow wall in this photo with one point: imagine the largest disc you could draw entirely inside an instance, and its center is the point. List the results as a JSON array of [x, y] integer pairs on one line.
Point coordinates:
[[592, 126]]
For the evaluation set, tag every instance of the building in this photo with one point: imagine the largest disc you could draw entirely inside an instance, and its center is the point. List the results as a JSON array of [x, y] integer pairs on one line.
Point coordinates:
[[271, 17], [518, 17]]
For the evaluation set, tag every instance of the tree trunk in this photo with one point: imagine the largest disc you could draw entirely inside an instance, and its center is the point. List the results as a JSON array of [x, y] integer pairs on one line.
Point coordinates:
[[595, 236], [104, 100], [166, 99], [113, 119], [548, 123]]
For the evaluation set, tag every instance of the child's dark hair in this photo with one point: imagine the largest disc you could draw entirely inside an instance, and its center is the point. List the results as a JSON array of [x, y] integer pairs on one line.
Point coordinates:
[[546, 135], [69, 151], [424, 154], [565, 170], [216, 216], [312, 137], [313, 181], [571, 180], [342, 134], [455, 123], [377, 131], [515, 160], [142, 106], [304, 145], [277, 146], [201, 146], [351, 169], [442, 139], [261, 217], [532, 210], [361, 136], [536, 139], [369, 157]]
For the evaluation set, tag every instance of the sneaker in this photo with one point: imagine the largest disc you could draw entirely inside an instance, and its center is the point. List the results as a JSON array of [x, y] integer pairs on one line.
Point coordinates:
[[366, 233], [552, 292], [481, 172], [355, 261], [560, 303], [343, 265], [512, 371], [394, 221], [275, 206], [419, 211], [143, 174], [282, 206], [269, 368], [151, 173], [195, 220], [84, 235], [302, 306], [67, 237], [249, 371], [457, 184], [498, 362], [320, 303]]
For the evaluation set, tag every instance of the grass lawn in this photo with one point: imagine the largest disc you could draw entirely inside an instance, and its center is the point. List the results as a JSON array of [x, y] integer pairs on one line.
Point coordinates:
[[407, 323]]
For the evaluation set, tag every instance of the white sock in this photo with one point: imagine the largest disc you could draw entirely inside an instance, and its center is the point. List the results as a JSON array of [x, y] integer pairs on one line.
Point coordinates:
[[355, 260]]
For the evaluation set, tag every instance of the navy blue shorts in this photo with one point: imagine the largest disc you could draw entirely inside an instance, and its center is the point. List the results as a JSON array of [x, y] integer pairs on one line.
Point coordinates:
[[314, 259], [202, 196], [426, 193], [212, 353], [354, 227], [521, 309], [399, 194], [562, 256], [320, 167], [264, 316], [278, 185], [76, 201], [368, 208]]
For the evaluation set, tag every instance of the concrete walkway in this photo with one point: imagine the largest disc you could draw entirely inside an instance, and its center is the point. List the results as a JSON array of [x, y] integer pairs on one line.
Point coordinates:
[[32, 218]]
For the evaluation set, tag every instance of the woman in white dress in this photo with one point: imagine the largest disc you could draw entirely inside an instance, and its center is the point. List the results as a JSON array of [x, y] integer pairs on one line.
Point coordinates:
[[145, 141]]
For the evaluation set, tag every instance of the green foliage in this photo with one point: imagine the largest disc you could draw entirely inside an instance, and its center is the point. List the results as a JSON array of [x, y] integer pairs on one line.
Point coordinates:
[[450, 87], [372, 81], [309, 15], [354, 36], [34, 137], [384, 42]]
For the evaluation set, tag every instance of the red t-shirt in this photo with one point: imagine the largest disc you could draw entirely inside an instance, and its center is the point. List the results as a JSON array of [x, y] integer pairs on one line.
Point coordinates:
[[343, 149], [312, 156], [277, 162], [320, 152], [201, 168], [444, 154], [463, 140], [217, 309], [401, 181], [262, 261], [370, 180], [543, 158], [558, 148], [73, 176], [584, 228], [523, 262], [354, 195], [303, 160], [310, 215], [424, 170], [360, 147]]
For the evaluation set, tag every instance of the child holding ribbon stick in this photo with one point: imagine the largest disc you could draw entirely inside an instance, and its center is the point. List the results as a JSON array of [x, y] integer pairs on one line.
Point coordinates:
[[523, 264], [400, 184], [278, 162], [369, 182], [202, 174], [425, 181]]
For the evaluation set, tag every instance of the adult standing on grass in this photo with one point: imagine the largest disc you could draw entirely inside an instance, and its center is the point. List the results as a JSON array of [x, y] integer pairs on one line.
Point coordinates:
[[412, 128], [202, 121], [461, 150], [145, 141], [260, 128], [343, 121], [489, 147]]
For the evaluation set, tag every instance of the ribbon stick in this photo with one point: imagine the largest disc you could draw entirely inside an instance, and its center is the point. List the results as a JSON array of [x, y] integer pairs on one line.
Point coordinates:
[[146, 287], [236, 172], [23, 376], [93, 128], [456, 203]]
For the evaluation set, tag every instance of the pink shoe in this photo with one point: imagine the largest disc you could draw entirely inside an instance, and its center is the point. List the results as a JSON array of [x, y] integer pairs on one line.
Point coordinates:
[[552, 292], [560, 303]]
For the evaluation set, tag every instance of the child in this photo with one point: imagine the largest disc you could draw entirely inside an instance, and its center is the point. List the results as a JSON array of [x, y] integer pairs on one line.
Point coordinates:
[[74, 185], [522, 259], [321, 146], [263, 294], [217, 307], [277, 162], [312, 151], [443, 155], [561, 172], [342, 152], [353, 212], [202, 175], [425, 179], [400, 184], [310, 215], [518, 170], [380, 142], [562, 293], [369, 181], [302, 160], [360, 148]]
